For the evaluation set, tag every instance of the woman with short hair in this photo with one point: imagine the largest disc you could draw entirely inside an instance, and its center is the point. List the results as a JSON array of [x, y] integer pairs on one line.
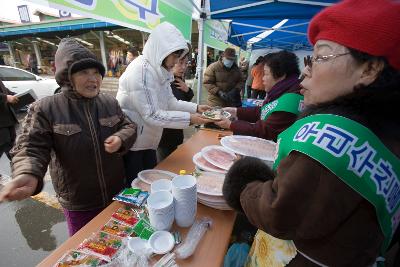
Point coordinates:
[[281, 83]]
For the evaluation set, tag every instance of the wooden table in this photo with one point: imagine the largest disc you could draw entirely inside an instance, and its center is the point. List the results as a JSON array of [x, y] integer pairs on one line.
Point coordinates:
[[213, 246]]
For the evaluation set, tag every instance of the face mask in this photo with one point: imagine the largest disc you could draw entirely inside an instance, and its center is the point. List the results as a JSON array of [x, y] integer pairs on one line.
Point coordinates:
[[227, 62]]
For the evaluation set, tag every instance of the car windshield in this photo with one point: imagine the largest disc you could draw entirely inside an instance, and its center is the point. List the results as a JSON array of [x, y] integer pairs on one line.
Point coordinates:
[[10, 74]]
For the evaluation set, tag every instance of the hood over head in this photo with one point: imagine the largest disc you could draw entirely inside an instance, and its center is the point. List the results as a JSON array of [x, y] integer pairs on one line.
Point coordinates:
[[163, 40], [72, 57]]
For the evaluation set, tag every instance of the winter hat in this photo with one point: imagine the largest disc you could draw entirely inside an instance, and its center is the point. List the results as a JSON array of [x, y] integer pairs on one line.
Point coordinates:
[[87, 63], [230, 53], [71, 57], [370, 26]]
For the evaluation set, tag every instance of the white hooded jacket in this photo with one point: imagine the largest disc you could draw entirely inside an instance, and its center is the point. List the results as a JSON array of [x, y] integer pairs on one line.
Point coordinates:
[[144, 91]]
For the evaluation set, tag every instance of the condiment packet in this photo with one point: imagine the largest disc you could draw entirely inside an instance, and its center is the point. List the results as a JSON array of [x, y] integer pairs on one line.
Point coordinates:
[[78, 258], [129, 196], [143, 229], [117, 228], [102, 245], [126, 215], [131, 192]]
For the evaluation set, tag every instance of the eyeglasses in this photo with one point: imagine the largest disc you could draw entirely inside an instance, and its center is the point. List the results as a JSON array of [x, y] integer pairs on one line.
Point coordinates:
[[308, 60]]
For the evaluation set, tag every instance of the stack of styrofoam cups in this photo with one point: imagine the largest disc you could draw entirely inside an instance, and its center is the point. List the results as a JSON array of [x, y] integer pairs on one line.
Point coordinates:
[[160, 206], [161, 185], [184, 190]]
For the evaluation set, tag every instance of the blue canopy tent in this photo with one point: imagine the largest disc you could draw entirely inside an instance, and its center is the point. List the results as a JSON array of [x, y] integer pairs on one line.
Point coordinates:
[[289, 34], [269, 23], [263, 23], [266, 9]]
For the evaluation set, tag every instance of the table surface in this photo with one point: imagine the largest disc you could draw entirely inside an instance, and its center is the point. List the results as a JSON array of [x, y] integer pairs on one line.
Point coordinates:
[[211, 249]]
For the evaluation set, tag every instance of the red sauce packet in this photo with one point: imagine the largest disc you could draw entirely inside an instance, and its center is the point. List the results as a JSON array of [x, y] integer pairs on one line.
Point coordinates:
[[117, 228], [78, 258], [125, 215], [102, 245]]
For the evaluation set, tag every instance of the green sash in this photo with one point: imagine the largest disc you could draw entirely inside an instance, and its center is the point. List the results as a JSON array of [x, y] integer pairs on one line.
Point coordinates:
[[289, 102], [354, 154]]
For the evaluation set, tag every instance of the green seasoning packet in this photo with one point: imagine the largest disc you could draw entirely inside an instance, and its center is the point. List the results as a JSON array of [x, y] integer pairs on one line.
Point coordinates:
[[146, 233], [130, 192], [143, 229]]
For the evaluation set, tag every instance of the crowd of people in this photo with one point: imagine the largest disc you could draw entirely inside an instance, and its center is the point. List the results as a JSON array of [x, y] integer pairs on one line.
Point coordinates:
[[333, 193]]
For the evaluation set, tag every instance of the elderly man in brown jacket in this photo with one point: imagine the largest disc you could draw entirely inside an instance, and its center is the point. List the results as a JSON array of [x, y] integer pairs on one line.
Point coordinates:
[[223, 81]]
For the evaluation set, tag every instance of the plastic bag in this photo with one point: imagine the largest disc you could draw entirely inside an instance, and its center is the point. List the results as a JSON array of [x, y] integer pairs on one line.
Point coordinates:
[[193, 237]]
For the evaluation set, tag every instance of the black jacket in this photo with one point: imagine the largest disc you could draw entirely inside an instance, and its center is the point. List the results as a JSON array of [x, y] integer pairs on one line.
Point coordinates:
[[7, 116]]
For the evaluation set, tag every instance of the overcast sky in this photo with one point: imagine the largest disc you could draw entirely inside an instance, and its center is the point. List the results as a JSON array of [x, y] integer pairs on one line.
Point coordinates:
[[9, 10]]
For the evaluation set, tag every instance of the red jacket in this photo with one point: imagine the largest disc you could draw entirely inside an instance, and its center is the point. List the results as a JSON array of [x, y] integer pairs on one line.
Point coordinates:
[[249, 122]]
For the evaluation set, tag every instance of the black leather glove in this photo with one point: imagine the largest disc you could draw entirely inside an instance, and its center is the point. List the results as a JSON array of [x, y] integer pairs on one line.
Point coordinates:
[[221, 94], [242, 172]]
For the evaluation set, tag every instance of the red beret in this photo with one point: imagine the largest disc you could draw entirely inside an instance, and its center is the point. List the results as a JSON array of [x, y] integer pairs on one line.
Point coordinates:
[[370, 26]]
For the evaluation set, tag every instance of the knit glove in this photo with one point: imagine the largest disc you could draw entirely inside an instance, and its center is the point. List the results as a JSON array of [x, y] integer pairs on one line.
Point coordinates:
[[221, 94], [243, 172]]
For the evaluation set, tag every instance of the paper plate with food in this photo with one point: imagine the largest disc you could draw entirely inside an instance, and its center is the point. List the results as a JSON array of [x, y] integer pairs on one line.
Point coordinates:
[[218, 156], [210, 183], [149, 176], [216, 114], [203, 164], [250, 146]]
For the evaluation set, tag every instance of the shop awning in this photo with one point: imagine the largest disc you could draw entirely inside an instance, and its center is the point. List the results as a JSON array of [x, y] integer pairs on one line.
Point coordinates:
[[60, 28]]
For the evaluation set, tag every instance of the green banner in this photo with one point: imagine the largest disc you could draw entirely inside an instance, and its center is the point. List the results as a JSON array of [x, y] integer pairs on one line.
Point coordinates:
[[216, 34], [141, 15]]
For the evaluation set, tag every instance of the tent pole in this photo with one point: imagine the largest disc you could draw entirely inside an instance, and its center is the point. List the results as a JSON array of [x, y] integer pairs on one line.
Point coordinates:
[[200, 55], [103, 49]]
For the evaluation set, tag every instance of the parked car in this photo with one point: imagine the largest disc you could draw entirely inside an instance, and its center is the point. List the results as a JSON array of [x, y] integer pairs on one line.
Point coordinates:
[[18, 80]]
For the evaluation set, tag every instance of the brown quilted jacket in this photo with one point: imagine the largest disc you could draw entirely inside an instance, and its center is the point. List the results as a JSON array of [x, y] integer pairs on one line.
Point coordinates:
[[218, 77], [68, 131]]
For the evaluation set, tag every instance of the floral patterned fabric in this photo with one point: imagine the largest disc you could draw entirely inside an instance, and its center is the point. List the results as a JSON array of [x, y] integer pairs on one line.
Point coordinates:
[[268, 251]]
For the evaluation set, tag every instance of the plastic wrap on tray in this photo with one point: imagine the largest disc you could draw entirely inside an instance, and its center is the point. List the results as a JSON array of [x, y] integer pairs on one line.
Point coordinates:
[[78, 258], [102, 245], [117, 228]]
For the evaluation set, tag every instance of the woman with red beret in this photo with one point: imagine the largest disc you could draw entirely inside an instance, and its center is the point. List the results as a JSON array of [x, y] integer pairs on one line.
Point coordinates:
[[334, 197]]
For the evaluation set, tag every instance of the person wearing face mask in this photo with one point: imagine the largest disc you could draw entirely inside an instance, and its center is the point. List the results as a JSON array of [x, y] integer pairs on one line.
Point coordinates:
[[334, 198], [223, 81], [145, 95], [81, 132]]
